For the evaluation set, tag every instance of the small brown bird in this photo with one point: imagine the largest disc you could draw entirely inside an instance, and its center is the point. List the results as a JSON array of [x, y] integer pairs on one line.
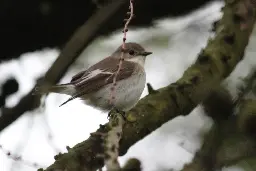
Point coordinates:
[[93, 85]]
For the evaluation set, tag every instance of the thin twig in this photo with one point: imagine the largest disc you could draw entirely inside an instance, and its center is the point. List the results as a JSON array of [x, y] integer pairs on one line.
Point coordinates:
[[49, 134], [111, 145], [125, 30], [18, 158], [24, 141]]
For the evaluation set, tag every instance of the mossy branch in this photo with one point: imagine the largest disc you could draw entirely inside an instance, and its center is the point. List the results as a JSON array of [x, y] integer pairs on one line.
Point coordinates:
[[204, 159], [239, 141], [224, 145], [231, 139], [219, 105], [214, 64]]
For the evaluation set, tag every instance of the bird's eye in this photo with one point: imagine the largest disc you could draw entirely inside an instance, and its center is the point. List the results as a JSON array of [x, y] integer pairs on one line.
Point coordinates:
[[131, 52]]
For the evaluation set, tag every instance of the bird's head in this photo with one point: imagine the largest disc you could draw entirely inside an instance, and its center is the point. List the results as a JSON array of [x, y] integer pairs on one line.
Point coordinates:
[[133, 52]]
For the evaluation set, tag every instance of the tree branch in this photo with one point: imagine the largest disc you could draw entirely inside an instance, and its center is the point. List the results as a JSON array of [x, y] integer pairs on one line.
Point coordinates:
[[239, 142], [220, 106], [214, 63], [80, 40], [231, 138], [223, 146]]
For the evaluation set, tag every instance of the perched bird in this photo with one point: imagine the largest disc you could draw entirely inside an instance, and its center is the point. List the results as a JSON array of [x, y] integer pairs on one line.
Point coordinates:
[[94, 85]]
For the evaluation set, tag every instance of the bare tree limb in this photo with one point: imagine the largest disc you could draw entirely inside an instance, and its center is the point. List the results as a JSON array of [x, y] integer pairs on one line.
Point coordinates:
[[220, 106], [214, 63], [239, 140], [224, 145], [231, 139], [204, 159], [80, 40]]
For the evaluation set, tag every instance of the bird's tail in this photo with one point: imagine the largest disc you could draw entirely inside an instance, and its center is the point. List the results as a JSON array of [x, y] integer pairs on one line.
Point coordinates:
[[68, 89]]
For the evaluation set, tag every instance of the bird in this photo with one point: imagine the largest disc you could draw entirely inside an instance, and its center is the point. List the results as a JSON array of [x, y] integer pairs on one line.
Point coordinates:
[[95, 84]]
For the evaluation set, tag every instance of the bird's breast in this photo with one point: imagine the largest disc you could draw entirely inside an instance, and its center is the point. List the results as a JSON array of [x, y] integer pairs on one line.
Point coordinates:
[[127, 92]]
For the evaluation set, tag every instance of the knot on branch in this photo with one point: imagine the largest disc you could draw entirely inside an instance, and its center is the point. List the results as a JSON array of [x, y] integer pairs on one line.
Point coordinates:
[[151, 90], [219, 104], [132, 164]]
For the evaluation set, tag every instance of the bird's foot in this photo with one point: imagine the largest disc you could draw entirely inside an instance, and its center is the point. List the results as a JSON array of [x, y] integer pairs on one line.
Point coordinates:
[[122, 113]]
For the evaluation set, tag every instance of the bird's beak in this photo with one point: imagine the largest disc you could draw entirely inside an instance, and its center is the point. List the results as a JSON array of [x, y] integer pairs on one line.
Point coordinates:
[[145, 53]]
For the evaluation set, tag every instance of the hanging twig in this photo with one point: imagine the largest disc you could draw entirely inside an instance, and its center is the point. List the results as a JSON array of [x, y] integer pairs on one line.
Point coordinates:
[[125, 30], [18, 158]]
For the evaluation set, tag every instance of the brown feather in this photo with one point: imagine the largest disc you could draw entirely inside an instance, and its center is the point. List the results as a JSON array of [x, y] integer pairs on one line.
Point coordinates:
[[108, 64]]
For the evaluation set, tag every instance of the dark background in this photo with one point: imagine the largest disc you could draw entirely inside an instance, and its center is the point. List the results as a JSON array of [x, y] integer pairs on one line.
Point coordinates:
[[29, 25]]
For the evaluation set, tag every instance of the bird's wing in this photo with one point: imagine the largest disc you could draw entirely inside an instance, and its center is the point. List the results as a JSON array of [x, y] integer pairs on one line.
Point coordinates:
[[101, 74]]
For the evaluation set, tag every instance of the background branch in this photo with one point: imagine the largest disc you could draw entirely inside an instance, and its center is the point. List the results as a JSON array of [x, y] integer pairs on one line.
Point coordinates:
[[81, 39], [232, 137], [32, 24], [220, 106]]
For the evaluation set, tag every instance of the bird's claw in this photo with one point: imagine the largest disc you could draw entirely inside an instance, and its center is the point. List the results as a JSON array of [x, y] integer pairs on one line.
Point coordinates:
[[122, 113]]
